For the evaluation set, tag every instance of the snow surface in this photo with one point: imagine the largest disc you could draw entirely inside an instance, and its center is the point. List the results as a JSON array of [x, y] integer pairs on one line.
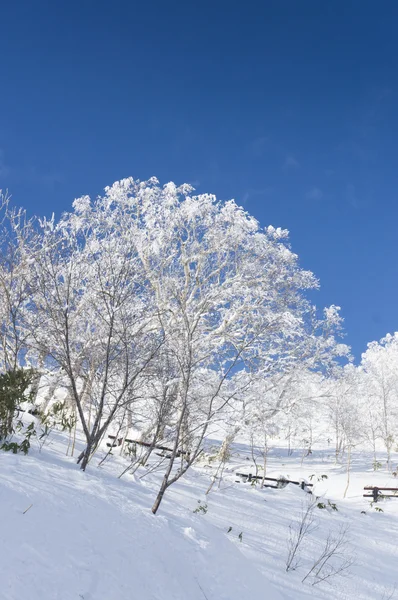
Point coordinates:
[[92, 536]]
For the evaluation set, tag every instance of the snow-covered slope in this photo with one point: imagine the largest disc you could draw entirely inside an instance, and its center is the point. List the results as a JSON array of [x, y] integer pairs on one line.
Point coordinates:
[[92, 537]]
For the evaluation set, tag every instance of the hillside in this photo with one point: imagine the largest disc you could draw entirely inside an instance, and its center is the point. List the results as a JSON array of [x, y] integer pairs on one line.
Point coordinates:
[[92, 536]]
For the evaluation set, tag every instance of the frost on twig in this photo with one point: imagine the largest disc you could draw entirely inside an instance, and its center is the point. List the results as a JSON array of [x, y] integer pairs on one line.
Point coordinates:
[[298, 533], [334, 559]]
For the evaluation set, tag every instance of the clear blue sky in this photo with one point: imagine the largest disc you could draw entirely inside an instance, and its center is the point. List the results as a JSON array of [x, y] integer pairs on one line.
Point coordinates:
[[289, 107]]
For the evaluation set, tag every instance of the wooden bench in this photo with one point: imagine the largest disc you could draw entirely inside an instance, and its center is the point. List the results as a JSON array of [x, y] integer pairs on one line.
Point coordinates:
[[280, 483], [378, 492], [119, 441]]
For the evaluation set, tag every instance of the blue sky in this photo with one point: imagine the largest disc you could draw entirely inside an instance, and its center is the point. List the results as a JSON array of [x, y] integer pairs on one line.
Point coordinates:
[[289, 107]]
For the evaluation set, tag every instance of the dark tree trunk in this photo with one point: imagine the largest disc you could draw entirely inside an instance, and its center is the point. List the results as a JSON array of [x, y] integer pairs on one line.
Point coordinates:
[[160, 495], [84, 457]]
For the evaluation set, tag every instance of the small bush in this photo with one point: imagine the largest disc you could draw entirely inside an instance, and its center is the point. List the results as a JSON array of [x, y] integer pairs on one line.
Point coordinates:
[[202, 508], [13, 392], [10, 447], [59, 417]]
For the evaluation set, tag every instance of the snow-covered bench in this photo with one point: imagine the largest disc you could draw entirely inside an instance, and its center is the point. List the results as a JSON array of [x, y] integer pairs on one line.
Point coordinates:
[[118, 442], [281, 482]]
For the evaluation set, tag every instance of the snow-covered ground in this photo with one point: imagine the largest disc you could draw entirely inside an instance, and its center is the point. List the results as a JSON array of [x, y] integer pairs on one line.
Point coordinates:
[[92, 536]]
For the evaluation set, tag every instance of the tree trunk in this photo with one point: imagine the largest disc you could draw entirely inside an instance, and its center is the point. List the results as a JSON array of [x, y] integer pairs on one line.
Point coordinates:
[[348, 469], [264, 465], [74, 432], [161, 492], [84, 457], [50, 393], [167, 474]]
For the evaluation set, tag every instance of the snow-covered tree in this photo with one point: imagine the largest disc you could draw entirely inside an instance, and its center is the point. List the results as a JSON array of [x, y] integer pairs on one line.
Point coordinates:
[[380, 372], [229, 300], [154, 299], [15, 285], [91, 314]]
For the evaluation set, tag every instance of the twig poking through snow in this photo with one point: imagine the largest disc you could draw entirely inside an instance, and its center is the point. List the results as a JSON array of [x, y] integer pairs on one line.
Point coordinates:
[[202, 590]]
